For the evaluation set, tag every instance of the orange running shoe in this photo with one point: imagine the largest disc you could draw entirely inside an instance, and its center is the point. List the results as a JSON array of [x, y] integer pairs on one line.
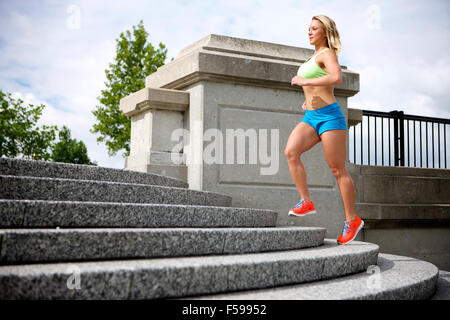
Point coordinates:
[[350, 230], [303, 208]]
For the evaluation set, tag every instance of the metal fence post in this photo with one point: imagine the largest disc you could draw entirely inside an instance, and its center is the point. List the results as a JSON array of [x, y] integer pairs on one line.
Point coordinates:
[[401, 137], [394, 115]]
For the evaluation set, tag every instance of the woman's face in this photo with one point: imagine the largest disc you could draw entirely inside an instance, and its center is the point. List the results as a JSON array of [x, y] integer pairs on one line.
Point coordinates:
[[316, 33]]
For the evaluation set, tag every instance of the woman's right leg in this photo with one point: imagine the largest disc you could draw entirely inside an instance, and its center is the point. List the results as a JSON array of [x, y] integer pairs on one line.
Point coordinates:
[[301, 139]]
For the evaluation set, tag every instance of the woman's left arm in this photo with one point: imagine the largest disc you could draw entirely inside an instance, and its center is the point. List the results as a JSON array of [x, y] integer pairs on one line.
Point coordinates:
[[334, 75]]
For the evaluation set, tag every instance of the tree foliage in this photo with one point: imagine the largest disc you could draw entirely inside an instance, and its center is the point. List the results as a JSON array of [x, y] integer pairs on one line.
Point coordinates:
[[19, 134], [21, 137], [135, 59], [70, 150]]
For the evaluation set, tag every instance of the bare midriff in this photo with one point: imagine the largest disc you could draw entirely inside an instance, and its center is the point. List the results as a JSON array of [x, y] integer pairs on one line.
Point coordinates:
[[318, 96]]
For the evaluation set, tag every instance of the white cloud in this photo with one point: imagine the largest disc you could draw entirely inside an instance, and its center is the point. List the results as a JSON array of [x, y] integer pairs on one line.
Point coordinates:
[[22, 23]]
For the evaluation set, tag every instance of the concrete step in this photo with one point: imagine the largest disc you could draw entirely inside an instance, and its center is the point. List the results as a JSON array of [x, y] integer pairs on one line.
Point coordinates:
[[401, 171], [36, 188], [402, 189], [21, 246], [76, 214], [33, 168], [393, 278], [382, 215], [403, 211], [185, 276]]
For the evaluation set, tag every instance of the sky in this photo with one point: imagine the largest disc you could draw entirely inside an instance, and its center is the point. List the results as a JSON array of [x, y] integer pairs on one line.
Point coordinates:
[[56, 52]]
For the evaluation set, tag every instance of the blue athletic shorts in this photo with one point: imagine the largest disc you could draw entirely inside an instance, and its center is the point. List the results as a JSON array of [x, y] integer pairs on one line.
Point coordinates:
[[326, 118]]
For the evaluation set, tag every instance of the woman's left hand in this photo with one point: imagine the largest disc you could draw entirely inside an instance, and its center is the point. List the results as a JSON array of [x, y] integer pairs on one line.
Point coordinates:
[[298, 80]]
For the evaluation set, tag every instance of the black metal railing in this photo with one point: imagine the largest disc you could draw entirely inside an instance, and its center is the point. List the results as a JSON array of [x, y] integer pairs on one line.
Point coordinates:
[[404, 140]]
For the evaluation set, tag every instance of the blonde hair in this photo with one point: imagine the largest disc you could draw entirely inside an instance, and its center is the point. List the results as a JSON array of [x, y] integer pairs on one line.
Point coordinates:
[[333, 40]]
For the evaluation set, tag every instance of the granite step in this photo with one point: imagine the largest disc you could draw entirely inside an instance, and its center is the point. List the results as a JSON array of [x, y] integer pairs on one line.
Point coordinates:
[[21, 246], [393, 278], [78, 214], [37, 188], [34, 168], [184, 276]]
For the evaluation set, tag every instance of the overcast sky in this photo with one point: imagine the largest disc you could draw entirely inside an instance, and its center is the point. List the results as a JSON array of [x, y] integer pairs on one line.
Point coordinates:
[[55, 52]]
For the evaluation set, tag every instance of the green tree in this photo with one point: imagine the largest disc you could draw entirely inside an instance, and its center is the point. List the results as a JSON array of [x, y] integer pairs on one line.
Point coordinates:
[[70, 150], [19, 134], [135, 59]]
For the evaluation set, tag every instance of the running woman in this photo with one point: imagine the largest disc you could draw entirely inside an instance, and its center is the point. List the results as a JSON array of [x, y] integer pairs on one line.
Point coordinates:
[[323, 121]]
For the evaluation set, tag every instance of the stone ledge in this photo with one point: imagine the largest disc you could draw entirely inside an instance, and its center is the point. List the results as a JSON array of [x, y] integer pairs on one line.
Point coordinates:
[[393, 216], [236, 63], [262, 49], [354, 116], [154, 98], [402, 189], [398, 171], [382, 211]]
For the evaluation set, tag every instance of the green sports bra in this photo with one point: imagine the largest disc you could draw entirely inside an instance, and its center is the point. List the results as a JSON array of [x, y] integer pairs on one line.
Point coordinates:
[[309, 69]]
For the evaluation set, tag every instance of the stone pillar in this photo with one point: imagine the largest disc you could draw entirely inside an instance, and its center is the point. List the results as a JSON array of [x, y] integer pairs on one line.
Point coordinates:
[[354, 117], [238, 84], [156, 113]]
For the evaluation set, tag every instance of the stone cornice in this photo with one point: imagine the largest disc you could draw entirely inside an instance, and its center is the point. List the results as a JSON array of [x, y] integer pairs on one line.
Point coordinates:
[[251, 48], [257, 64], [154, 98]]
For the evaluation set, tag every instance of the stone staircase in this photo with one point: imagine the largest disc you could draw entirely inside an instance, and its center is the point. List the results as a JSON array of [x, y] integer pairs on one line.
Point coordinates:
[[84, 232]]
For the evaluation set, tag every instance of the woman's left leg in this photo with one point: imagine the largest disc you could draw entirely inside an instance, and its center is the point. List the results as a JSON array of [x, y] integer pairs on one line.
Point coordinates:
[[334, 147]]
